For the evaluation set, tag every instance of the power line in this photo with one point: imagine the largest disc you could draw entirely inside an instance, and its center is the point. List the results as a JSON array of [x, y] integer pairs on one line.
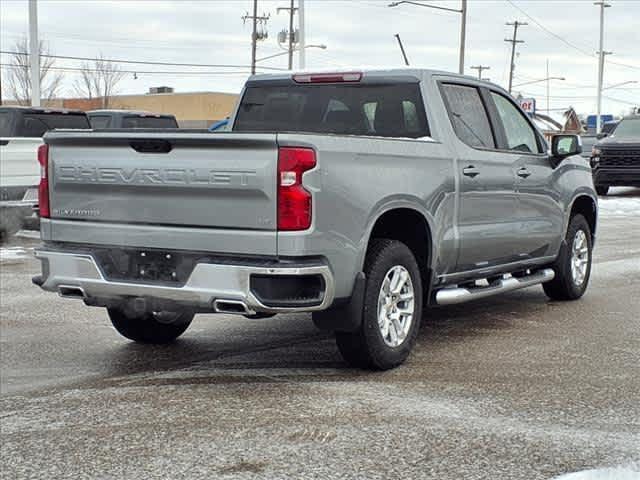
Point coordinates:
[[565, 41], [141, 62], [139, 72]]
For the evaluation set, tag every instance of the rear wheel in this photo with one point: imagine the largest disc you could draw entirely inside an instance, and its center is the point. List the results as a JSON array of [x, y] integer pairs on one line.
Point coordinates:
[[150, 327], [392, 309], [602, 189], [573, 266]]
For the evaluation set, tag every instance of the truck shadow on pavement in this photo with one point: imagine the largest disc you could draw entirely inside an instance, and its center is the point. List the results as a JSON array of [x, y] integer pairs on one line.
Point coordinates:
[[251, 351]]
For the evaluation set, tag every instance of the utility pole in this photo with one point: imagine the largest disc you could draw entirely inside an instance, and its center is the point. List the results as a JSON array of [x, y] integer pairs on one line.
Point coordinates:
[[301, 40], [291, 34], [601, 54], [480, 69], [463, 36], [255, 35], [513, 42], [34, 53], [404, 55]]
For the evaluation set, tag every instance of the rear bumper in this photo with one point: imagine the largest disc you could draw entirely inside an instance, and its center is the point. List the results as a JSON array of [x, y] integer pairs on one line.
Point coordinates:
[[211, 287], [622, 177]]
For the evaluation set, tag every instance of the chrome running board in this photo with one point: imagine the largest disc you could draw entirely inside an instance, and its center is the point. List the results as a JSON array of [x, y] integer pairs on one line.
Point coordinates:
[[451, 296]]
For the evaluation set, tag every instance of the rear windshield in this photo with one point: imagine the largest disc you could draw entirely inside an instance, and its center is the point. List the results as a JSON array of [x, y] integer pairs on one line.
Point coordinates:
[[99, 121], [362, 109], [149, 122], [629, 127], [36, 124]]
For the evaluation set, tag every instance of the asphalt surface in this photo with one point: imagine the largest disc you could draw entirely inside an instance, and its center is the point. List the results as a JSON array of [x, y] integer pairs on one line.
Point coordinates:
[[513, 387]]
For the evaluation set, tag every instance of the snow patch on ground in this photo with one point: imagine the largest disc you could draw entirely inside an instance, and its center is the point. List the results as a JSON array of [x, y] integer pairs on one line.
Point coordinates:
[[33, 234], [622, 206], [619, 473], [14, 254]]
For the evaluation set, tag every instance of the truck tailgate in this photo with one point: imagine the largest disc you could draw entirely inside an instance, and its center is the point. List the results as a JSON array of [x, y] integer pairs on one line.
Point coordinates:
[[164, 179]]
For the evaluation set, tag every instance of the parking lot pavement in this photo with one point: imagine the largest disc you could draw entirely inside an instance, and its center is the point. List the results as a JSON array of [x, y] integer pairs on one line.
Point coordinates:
[[514, 387]]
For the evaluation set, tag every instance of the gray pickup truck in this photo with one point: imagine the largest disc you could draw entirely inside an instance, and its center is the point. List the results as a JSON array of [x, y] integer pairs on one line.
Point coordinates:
[[360, 196]]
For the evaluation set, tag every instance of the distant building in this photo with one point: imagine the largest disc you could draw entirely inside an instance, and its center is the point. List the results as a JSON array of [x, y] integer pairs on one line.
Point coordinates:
[[191, 109]]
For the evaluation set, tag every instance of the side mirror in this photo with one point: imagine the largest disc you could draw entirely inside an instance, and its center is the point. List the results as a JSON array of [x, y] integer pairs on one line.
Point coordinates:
[[563, 146]]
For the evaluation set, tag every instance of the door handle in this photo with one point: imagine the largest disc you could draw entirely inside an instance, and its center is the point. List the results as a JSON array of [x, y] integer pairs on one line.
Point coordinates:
[[470, 171], [524, 173]]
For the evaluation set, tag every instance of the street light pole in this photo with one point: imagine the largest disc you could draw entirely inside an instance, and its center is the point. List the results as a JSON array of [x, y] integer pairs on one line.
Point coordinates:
[[302, 60], [463, 24], [291, 34], [548, 80], [601, 54], [616, 85], [463, 36], [34, 53], [404, 55]]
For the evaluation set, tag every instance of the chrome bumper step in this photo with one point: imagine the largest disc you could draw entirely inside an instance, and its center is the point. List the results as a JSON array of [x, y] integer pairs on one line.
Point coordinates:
[[452, 296]]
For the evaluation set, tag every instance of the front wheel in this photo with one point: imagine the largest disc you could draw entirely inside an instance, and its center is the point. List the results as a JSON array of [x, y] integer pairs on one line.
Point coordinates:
[[150, 327], [392, 309], [573, 266]]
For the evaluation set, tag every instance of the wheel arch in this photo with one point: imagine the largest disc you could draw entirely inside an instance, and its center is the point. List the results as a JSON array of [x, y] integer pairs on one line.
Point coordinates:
[[385, 223], [587, 206]]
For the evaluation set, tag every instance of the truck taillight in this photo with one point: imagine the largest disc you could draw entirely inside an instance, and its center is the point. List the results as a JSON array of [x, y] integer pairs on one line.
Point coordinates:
[[43, 188], [294, 202]]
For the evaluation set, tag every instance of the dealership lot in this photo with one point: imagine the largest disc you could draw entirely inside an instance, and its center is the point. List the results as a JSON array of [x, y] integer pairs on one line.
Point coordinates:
[[511, 387]]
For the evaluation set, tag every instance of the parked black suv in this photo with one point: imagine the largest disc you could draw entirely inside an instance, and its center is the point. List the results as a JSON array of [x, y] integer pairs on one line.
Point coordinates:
[[615, 160]]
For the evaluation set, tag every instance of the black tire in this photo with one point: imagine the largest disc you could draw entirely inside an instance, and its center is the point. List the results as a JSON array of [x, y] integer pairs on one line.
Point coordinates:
[[10, 223], [147, 327], [563, 286], [602, 190], [366, 347]]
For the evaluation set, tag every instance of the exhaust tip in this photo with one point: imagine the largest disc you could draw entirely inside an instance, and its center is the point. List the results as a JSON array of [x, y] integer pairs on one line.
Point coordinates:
[[68, 291], [236, 307]]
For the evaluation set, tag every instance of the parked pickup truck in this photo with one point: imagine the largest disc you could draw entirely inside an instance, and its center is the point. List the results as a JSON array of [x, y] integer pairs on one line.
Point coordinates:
[[616, 159], [358, 196], [21, 131], [102, 119]]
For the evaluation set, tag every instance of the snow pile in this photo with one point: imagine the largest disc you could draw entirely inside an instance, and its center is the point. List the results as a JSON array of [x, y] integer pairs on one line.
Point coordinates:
[[619, 206], [620, 473], [12, 255]]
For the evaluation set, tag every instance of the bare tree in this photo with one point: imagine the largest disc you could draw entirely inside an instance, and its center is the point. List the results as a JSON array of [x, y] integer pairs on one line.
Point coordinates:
[[18, 78], [98, 79]]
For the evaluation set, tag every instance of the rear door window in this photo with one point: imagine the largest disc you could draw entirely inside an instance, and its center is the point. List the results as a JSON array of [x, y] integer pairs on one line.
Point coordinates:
[[386, 110], [468, 115]]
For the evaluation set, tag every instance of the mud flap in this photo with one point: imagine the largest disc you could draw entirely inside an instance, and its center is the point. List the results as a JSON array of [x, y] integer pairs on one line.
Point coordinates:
[[345, 317]]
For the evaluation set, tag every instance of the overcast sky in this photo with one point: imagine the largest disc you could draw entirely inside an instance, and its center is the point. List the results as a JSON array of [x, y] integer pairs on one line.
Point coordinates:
[[356, 32]]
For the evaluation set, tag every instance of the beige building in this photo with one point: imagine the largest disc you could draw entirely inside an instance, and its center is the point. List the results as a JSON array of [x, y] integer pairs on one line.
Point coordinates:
[[192, 109]]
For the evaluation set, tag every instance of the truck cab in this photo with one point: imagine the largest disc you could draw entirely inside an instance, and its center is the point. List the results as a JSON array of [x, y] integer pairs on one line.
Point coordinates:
[[129, 119], [21, 132]]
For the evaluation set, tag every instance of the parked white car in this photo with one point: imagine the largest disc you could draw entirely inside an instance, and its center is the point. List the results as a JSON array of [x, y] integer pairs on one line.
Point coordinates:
[[21, 131]]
